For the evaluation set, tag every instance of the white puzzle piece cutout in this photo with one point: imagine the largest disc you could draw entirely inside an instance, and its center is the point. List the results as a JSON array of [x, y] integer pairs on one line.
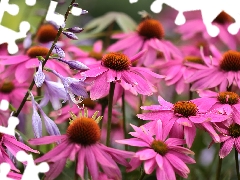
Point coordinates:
[[59, 18], [31, 170], [7, 35], [208, 12], [4, 105], [4, 170], [12, 124]]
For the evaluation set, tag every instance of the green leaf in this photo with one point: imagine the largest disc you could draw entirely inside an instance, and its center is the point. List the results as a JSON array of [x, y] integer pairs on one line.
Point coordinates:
[[40, 58], [36, 98], [125, 22], [12, 108]]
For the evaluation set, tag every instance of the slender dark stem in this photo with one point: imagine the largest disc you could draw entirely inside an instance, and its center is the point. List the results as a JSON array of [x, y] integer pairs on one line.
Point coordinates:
[[219, 165], [190, 93], [103, 107], [124, 118], [237, 164], [46, 59], [108, 35], [140, 121], [142, 173], [110, 107], [75, 173]]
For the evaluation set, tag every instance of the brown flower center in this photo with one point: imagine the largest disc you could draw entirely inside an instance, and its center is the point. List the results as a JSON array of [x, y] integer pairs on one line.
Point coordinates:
[[151, 28], [223, 18], [95, 55], [159, 146], [37, 51], [185, 108], [6, 87], [116, 61], [228, 97], [194, 59], [88, 103], [46, 33], [234, 130], [230, 61], [84, 131]]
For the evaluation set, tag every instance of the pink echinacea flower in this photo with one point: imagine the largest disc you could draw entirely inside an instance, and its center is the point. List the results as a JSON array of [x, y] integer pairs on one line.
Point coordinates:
[[220, 71], [117, 68], [167, 156], [182, 118], [81, 143], [149, 35]]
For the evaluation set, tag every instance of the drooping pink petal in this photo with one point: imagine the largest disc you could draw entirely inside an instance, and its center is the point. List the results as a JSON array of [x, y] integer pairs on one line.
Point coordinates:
[[175, 141], [149, 165], [54, 152], [177, 163], [168, 170], [185, 158], [14, 146], [237, 144], [159, 160], [133, 142], [97, 46], [95, 70], [22, 74], [55, 169], [81, 162], [138, 55], [46, 139], [102, 158], [184, 121], [226, 148], [14, 60], [91, 163], [146, 154], [190, 133], [100, 88], [134, 163]]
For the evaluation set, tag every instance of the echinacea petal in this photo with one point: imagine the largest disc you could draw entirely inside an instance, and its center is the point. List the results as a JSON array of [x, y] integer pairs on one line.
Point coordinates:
[[168, 169], [149, 165], [146, 154], [134, 163], [133, 142], [81, 162], [159, 160], [46, 139], [226, 147], [100, 88], [97, 46], [91, 163], [55, 169], [190, 133], [177, 163], [237, 143]]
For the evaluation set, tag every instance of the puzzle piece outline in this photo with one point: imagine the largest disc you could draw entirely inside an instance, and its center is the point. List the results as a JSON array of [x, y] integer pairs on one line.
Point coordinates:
[[208, 12]]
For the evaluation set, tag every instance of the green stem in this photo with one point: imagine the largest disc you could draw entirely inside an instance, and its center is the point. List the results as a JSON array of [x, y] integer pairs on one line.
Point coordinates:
[[124, 118], [219, 165], [237, 164], [75, 173], [103, 107], [190, 93], [142, 173], [110, 107], [46, 59], [140, 121]]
